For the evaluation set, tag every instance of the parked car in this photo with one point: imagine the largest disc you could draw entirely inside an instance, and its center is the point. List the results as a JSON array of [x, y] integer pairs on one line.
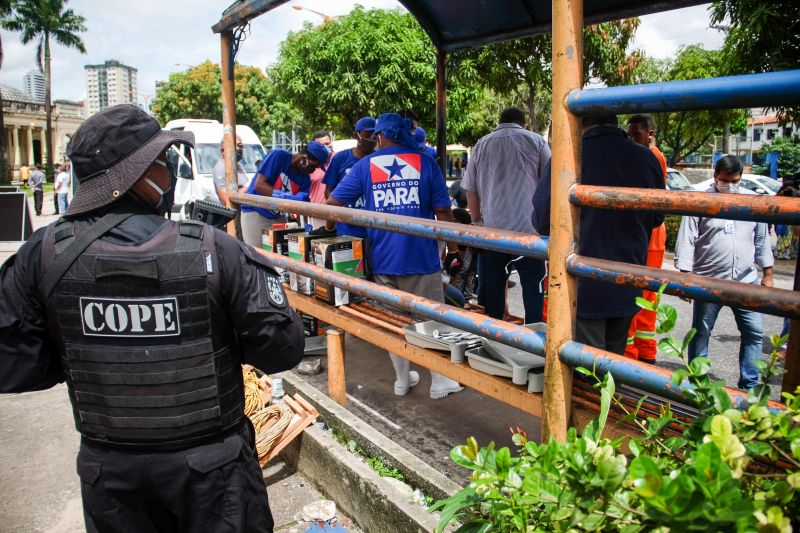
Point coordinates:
[[676, 181], [753, 182], [343, 144]]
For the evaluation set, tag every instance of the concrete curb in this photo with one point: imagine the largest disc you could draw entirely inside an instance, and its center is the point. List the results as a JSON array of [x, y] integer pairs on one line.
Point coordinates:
[[417, 472], [374, 502]]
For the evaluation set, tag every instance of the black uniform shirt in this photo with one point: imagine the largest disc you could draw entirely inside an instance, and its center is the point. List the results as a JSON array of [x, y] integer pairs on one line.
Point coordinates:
[[270, 334]]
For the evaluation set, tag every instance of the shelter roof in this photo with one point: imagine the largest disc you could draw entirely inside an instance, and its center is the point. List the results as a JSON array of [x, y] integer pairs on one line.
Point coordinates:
[[455, 24]]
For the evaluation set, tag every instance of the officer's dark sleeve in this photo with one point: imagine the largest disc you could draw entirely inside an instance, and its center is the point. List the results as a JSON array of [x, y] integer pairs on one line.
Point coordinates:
[[269, 331], [28, 360]]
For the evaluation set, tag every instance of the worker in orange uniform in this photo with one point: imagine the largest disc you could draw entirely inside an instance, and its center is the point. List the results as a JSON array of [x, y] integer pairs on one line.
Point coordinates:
[[642, 344]]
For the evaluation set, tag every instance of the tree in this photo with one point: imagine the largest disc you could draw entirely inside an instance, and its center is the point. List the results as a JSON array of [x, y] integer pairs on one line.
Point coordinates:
[[197, 93], [522, 68], [366, 63], [684, 133], [759, 37], [788, 149], [46, 20], [5, 174]]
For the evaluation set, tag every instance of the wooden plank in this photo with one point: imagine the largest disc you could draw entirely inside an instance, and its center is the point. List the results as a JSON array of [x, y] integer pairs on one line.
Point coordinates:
[[493, 386], [337, 389]]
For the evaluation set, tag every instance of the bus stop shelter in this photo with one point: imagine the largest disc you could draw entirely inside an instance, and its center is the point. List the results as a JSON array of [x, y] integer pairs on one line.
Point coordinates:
[[453, 25]]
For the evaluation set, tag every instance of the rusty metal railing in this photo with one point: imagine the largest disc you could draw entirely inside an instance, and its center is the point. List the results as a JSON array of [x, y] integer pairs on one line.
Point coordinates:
[[569, 101]]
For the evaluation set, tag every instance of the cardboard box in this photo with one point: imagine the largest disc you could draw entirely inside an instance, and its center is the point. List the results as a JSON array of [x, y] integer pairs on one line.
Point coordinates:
[[310, 325], [341, 254], [275, 240], [299, 247]]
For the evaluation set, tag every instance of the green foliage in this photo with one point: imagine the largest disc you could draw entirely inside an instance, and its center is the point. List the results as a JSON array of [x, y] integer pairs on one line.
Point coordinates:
[[522, 69], [197, 93], [704, 480], [684, 133], [366, 63], [759, 37], [789, 158], [673, 225]]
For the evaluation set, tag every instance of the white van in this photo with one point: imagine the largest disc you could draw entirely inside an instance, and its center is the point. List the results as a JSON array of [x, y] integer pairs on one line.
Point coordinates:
[[207, 137]]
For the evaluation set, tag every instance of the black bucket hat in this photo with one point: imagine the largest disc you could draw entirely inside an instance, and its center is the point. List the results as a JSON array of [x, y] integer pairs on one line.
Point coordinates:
[[110, 152]]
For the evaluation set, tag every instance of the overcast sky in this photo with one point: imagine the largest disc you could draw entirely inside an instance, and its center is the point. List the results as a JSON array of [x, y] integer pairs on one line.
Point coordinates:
[[154, 35]]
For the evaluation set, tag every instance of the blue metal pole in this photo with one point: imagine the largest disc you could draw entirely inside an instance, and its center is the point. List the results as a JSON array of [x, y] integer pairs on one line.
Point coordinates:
[[649, 378], [499, 330], [779, 302], [731, 92], [510, 242]]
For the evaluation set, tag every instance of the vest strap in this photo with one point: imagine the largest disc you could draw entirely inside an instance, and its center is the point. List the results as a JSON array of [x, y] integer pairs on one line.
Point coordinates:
[[166, 422], [77, 247], [154, 378]]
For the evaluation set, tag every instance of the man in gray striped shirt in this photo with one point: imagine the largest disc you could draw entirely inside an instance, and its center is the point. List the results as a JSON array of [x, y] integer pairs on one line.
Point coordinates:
[[731, 250], [500, 180]]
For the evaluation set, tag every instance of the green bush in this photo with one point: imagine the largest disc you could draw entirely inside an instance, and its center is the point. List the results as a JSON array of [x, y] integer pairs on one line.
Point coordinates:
[[702, 481], [673, 224]]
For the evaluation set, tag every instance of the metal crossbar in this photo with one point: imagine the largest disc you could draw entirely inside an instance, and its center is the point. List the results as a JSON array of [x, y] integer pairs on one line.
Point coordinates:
[[772, 209], [510, 242], [768, 89]]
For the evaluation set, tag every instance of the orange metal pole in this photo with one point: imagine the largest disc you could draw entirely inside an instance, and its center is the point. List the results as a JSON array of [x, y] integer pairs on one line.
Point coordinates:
[[229, 119], [337, 389], [562, 288]]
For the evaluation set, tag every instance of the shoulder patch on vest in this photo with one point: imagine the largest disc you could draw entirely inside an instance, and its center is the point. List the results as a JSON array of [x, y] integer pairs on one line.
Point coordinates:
[[275, 292]]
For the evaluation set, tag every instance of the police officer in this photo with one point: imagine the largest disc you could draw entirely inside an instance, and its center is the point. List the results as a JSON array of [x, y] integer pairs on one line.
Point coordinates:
[[147, 320]]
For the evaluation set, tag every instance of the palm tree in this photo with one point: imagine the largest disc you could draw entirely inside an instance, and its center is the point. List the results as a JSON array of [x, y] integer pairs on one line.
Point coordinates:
[[45, 20], [5, 175]]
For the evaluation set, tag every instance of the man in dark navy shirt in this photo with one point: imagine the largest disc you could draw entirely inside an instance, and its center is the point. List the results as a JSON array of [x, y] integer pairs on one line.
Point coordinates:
[[609, 159]]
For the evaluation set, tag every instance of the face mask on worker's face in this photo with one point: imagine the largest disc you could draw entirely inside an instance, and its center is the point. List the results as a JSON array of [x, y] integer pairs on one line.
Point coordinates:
[[727, 186]]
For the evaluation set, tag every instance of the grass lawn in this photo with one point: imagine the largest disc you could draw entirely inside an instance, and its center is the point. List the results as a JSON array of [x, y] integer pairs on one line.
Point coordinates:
[[48, 187]]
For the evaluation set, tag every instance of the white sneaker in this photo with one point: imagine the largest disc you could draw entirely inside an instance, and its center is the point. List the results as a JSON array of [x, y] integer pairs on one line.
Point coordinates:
[[413, 379]]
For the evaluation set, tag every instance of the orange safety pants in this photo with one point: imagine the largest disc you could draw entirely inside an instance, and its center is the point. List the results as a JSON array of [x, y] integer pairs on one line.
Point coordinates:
[[642, 344]]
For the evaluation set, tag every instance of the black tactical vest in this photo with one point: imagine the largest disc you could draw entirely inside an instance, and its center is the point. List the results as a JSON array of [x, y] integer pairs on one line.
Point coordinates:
[[146, 346]]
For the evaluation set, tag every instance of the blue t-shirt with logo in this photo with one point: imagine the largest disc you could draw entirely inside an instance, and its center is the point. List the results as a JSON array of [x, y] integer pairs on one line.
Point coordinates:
[[277, 168], [338, 167], [405, 182]]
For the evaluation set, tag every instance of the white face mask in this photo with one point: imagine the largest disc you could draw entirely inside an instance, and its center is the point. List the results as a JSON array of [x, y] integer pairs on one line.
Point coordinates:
[[727, 187]]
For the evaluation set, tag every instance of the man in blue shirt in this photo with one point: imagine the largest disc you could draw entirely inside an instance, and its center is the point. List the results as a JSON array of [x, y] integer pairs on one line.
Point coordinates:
[[282, 175], [422, 137], [341, 164], [399, 179]]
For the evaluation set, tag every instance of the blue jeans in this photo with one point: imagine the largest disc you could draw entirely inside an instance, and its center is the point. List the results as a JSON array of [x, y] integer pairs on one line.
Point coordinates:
[[751, 329], [493, 271], [63, 202]]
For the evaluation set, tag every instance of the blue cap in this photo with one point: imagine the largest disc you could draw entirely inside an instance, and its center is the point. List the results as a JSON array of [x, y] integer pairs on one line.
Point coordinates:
[[395, 128], [365, 124], [420, 136], [318, 151]]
